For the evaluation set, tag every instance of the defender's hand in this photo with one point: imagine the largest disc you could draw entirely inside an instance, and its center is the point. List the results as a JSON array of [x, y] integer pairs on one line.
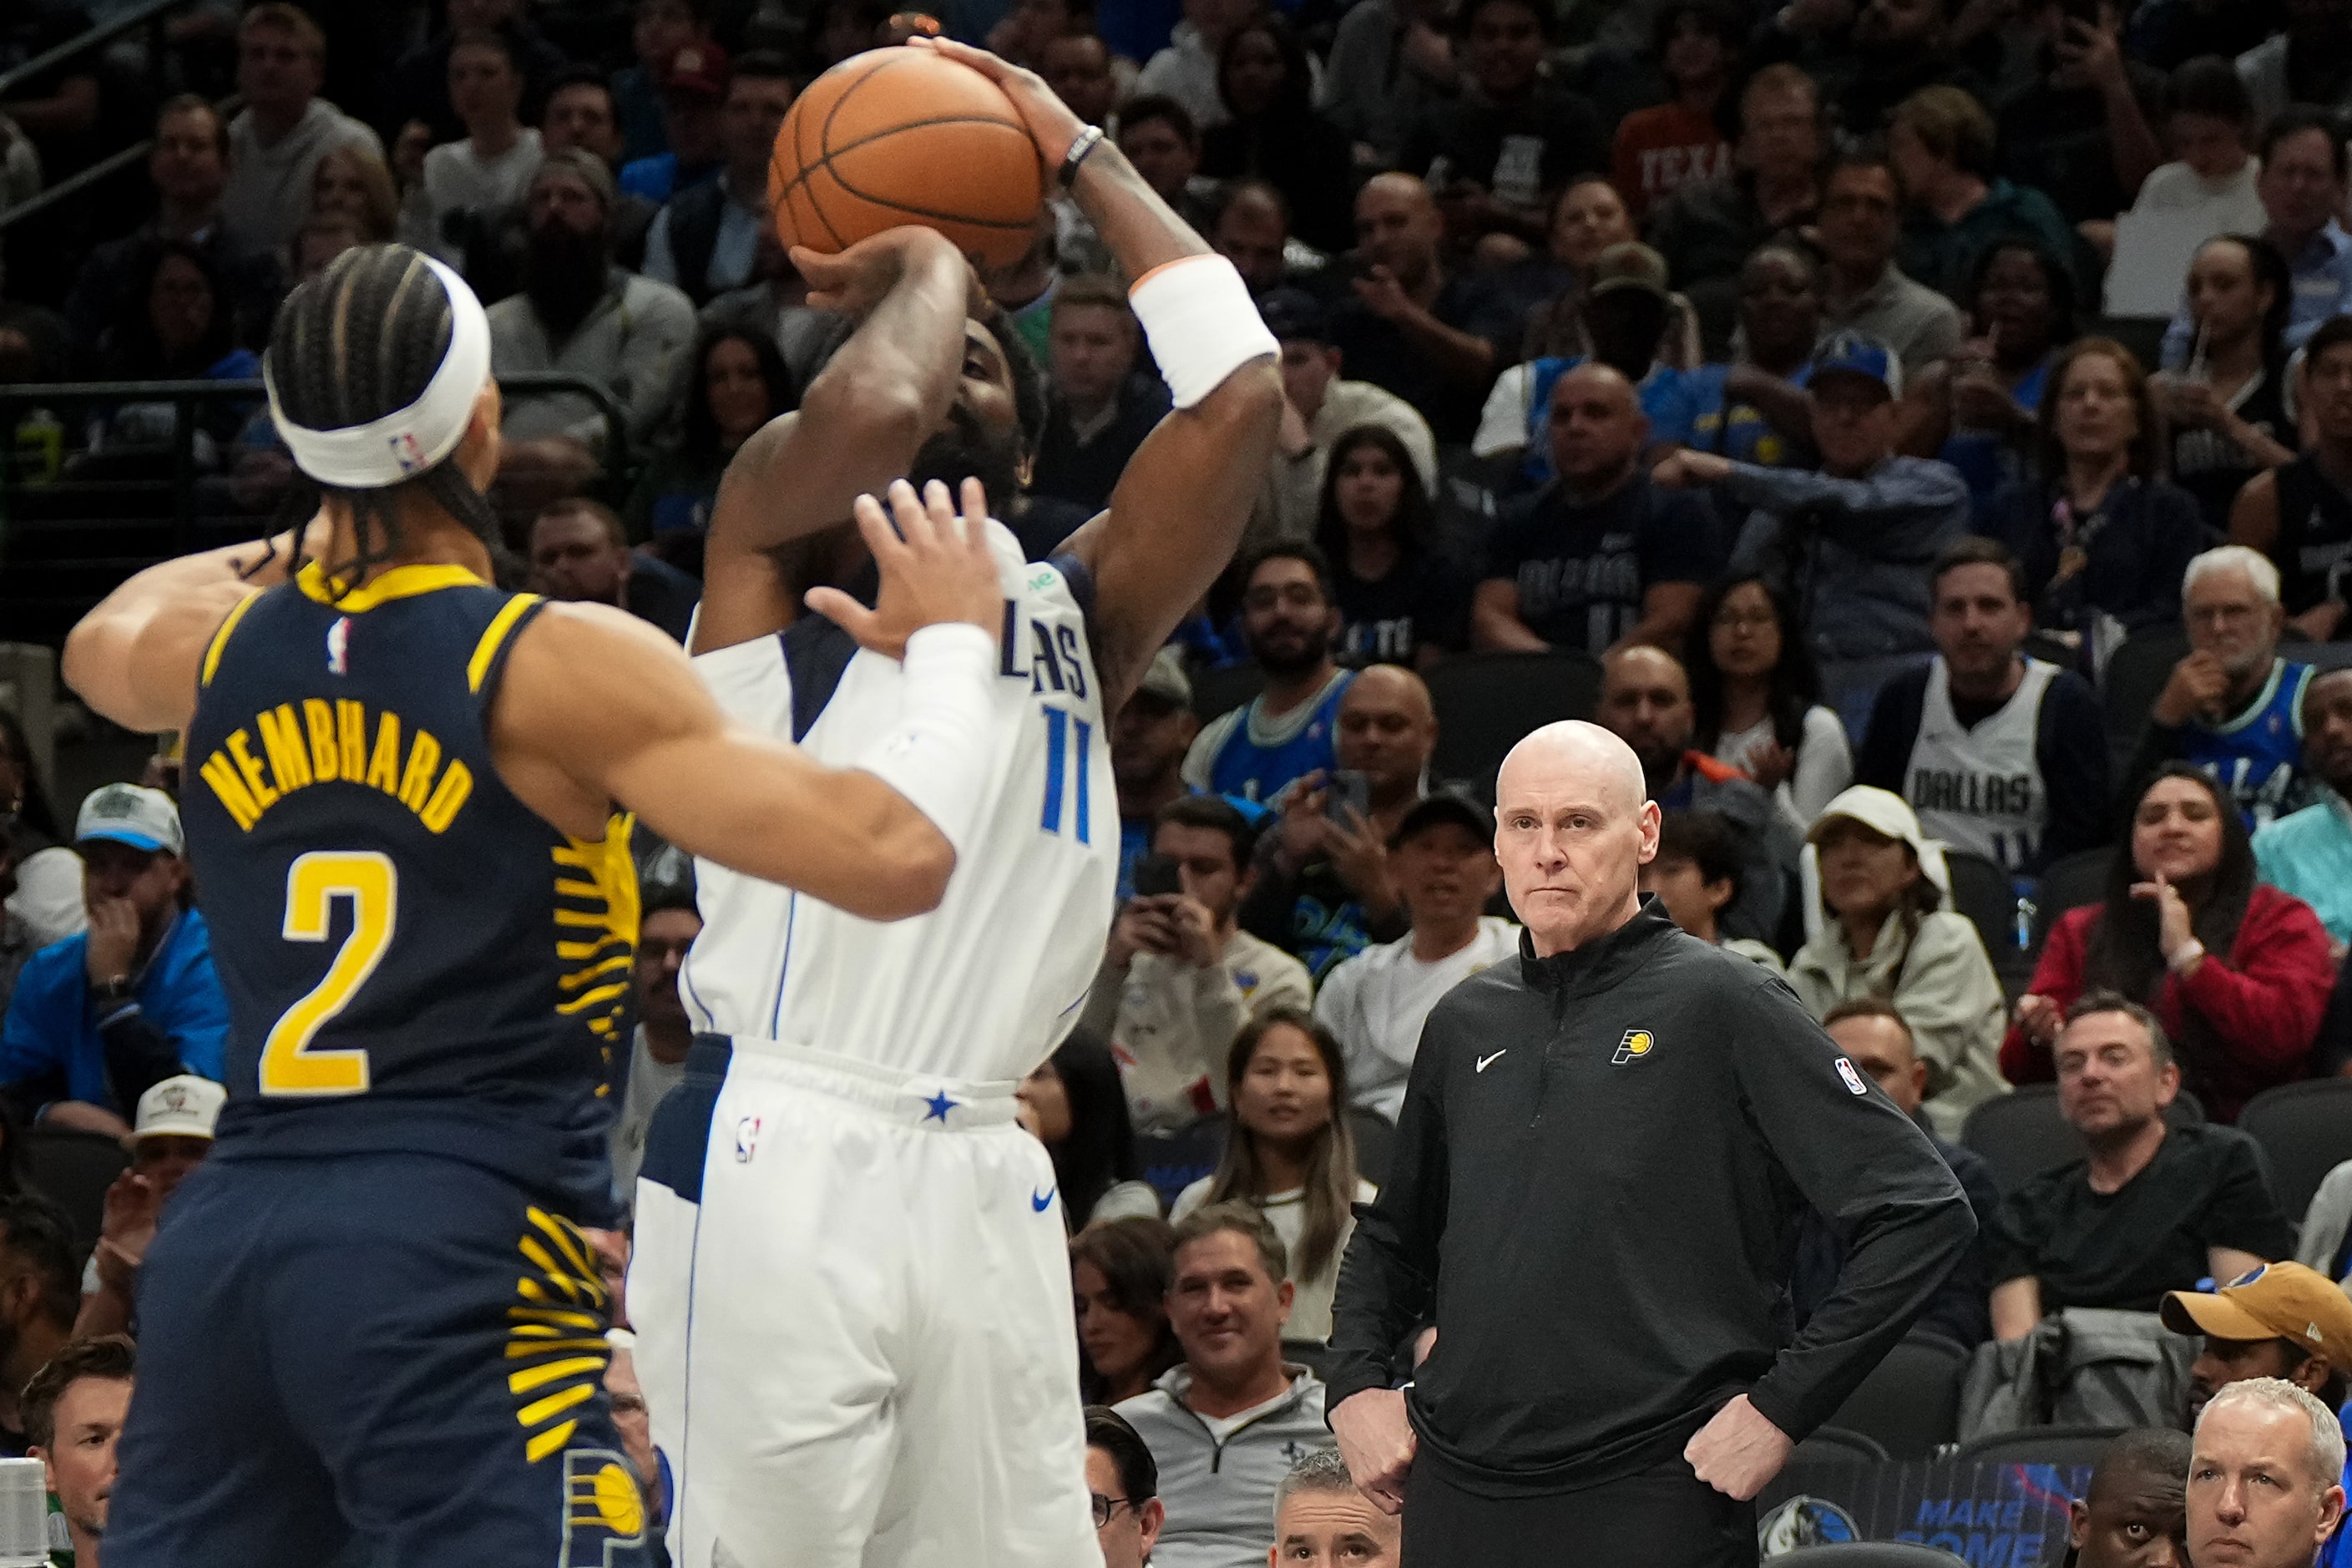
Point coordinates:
[[935, 568]]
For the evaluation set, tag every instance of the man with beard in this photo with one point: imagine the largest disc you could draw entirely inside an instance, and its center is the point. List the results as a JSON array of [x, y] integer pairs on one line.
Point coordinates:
[[2232, 706], [863, 1129], [2282, 1321], [579, 314], [1147, 742], [668, 924], [1290, 620], [73, 1414]]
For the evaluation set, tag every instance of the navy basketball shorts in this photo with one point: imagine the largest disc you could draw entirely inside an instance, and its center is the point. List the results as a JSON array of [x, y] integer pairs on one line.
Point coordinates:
[[403, 1348]]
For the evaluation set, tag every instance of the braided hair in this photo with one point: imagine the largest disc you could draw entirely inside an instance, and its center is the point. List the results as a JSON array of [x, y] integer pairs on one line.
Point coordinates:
[[358, 342]]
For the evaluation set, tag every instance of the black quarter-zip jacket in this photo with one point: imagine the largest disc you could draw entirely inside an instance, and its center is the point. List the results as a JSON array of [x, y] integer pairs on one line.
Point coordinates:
[[1598, 1173]]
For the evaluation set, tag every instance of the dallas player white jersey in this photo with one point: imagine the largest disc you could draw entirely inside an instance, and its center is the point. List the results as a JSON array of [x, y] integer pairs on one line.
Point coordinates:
[[986, 984]]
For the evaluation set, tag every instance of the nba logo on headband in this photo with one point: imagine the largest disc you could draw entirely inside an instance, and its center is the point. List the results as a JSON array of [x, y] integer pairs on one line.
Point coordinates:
[[407, 452]]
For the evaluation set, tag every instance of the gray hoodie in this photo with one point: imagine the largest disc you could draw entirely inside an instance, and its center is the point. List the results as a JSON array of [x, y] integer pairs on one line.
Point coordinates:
[[268, 191], [1217, 1481]]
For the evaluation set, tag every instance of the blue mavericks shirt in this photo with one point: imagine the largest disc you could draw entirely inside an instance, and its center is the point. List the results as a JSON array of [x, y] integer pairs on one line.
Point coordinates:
[[1247, 770], [1988, 461], [2257, 756], [414, 960], [1737, 431]]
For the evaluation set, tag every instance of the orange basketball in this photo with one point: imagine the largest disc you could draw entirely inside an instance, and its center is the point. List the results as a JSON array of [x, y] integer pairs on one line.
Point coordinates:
[[904, 136]]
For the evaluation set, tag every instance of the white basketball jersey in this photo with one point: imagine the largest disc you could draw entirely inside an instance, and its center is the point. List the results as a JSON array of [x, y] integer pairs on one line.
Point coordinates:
[[985, 986], [1981, 790]]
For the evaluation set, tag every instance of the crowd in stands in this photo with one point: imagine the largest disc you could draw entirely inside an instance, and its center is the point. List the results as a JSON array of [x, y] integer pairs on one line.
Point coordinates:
[[1748, 363]]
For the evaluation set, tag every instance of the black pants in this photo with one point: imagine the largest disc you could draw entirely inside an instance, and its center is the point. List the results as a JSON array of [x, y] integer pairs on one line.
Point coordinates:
[[1663, 1517]]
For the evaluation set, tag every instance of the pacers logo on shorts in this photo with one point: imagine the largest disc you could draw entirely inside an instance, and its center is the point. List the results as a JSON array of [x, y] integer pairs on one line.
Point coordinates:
[[1632, 1047], [603, 1512]]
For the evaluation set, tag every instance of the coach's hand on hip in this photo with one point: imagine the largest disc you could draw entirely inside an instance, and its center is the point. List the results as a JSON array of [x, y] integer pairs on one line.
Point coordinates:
[[1377, 1441], [1736, 1453]]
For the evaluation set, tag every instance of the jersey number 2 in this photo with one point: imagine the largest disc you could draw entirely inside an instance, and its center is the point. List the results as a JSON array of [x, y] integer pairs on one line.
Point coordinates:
[[1064, 758], [313, 883]]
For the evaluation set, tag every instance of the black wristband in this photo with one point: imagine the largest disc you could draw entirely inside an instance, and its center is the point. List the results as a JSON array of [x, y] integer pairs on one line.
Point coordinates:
[[1080, 150]]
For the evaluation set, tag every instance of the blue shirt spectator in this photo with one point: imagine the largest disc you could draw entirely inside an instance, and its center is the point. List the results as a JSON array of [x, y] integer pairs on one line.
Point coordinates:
[[1290, 622], [2308, 853], [100, 1017]]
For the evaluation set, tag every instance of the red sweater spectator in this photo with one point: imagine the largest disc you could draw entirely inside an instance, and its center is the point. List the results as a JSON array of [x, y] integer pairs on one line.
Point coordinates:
[[2241, 997]]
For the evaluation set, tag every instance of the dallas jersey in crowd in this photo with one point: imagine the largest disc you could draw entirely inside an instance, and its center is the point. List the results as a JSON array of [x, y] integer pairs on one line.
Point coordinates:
[[2022, 782]]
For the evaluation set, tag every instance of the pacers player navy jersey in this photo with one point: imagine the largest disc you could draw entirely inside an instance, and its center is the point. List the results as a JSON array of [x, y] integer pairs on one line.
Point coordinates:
[[415, 961]]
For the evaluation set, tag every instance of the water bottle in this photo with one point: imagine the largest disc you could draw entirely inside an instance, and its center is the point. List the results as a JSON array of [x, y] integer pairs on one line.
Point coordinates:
[[24, 1514], [2024, 890], [40, 447]]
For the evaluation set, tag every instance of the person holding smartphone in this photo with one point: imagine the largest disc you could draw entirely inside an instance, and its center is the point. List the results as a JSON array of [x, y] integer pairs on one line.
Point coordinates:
[[1180, 978]]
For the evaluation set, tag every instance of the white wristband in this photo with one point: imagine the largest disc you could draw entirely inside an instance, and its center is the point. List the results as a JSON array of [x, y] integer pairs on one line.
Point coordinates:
[[940, 753], [1201, 323]]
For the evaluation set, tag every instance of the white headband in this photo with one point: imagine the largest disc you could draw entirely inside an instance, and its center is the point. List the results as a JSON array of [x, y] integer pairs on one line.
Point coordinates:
[[405, 443]]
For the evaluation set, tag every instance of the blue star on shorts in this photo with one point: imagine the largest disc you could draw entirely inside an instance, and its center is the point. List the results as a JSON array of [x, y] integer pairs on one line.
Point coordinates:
[[940, 1106]]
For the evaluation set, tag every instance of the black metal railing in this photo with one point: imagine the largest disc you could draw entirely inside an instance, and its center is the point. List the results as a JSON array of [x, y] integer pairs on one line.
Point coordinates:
[[100, 479]]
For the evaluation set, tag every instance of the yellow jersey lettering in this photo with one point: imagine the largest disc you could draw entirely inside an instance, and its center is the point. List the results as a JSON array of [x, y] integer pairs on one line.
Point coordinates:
[[240, 746], [325, 756], [230, 791], [457, 783], [289, 758], [351, 736], [416, 783], [384, 767]]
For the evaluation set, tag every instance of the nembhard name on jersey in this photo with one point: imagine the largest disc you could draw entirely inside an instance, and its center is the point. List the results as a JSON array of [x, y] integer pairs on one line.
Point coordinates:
[[324, 743]]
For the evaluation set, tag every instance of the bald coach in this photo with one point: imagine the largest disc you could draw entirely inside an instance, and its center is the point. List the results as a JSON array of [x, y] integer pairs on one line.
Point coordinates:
[[1601, 1149]]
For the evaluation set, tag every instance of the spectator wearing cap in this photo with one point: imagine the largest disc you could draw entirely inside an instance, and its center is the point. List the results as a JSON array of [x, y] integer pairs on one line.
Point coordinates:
[[579, 314], [666, 926], [1125, 1484], [1442, 860], [1600, 557], [170, 1137], [2150, 1207], [1180, 978], [1861, 224], [694, 89], [100, 1017], [74, 1411], [276, 140], [1628, 317], [1320, 403], [1850, 544], [1102, 406], [706, 240], [1886, 931], [2281, 1321], [1324, 888], [1149, 737], [1876, 1037]]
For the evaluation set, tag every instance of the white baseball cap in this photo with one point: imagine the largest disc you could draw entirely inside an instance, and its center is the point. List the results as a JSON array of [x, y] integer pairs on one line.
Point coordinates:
[[130, 814], [183, 1107]]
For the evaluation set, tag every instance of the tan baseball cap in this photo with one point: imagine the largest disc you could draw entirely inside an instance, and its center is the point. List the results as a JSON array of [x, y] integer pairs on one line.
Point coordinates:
[[2276, 1301]]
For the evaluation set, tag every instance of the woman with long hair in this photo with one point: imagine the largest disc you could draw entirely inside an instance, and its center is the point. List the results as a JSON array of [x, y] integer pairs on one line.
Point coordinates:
[[1119, 1273], [1275, 135], [2238, 973], [2100, 533], [1886, 932], [1073, 1103], [736, 381], [1756, 697], [1399, 602], [2227, 409], [1976, 410], [353, 182], [1290, 1155], [47, 892]]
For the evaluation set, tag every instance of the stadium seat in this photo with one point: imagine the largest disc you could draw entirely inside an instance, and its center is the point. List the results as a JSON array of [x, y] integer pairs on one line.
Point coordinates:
[[2022, 1134], [1313, 1354], [1175, 1161], [2039, 1446], [1849, 687], [1867, 1554], [2136, 675], [1486, 701], [1837, 1445], [74, 1169], [1375, 1143], [2068, 884], [2318, 655], [2306, 1131], [1910, 1403], [1982, 891], [1225, 688]]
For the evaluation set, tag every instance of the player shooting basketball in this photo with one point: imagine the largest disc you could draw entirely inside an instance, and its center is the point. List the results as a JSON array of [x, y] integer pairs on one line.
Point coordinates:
[[860, 1350], [371, 1312]]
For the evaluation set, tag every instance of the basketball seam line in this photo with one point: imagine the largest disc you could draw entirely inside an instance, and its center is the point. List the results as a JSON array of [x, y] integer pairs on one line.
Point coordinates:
[[827, 153]]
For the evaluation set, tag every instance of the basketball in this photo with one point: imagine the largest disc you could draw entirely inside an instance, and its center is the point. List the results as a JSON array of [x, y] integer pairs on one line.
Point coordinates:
[[904, 136]]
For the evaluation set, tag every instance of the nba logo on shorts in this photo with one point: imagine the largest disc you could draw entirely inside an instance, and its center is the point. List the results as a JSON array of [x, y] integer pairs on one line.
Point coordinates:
[[603, 1512], [1853, 1084], [746, 1139]]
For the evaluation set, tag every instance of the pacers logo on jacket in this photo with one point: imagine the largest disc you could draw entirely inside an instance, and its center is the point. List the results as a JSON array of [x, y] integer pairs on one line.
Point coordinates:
[[1632, 1047]]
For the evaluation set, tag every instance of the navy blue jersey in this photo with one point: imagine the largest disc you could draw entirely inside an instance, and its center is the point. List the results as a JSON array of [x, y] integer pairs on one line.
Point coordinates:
[[415, 961]]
